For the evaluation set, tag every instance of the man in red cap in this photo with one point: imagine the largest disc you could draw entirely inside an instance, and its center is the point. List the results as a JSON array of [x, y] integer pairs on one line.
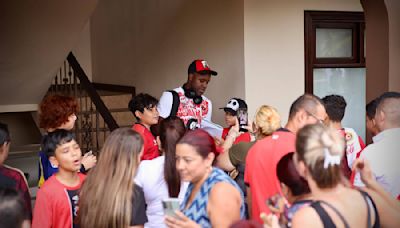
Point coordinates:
[[188, 102]]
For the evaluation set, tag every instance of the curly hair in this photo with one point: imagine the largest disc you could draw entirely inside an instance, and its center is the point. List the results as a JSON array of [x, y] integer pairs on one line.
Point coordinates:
[[54, 110]]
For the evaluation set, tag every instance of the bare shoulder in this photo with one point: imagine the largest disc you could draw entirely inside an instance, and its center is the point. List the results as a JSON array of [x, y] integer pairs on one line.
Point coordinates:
[[222, 190], [306, 217]]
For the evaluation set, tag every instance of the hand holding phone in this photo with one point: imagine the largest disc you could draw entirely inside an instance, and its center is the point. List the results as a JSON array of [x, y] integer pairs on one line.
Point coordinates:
[[276, 203], [243, 119], [170, 205]]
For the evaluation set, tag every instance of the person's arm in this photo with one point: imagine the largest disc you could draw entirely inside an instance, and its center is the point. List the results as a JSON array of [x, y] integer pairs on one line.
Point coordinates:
[[165, 104], [362, 166], [42, 214], [224, 205], [223, 160], [388, 207]]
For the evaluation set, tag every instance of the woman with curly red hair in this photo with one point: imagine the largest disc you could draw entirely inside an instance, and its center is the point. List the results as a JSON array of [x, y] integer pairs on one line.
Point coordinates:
[[58, 112]]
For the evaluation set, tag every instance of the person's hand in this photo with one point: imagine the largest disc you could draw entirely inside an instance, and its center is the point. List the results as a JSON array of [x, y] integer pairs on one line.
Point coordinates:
[[218, 141], [250, 127], [276, 204], [89, 160], [269, 221], [234, 131], [180, 221], [361, 165]]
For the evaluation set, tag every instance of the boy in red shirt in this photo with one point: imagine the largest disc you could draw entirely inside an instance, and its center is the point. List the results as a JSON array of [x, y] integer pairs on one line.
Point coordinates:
[[57, 200], [231, 111], [144, 108]]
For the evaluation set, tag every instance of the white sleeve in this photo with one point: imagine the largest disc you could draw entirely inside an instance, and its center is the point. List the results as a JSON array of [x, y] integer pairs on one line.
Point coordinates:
[[165, 104], [209, 114], [139, 176]]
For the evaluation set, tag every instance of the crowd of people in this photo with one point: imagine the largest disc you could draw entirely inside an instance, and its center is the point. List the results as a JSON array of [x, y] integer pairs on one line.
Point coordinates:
[[311, 172]]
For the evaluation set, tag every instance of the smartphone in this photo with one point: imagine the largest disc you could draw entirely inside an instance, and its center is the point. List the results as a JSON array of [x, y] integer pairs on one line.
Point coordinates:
[[242, 118], [170, 205], [273, 201]]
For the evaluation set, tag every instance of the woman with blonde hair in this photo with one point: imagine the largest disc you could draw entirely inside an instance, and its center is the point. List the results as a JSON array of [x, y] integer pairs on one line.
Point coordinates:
[[266, 121], [109, 196], [319, 150]]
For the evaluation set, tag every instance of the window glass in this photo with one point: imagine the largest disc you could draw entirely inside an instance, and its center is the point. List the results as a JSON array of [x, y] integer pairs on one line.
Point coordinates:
[[349, 83], [333, 43]]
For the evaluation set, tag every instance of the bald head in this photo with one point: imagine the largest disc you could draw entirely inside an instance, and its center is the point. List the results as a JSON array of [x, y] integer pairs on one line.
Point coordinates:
[[388, 113]]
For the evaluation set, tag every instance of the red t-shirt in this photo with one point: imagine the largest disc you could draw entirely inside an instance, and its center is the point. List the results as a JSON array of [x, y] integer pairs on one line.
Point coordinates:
[[150, 147], [260, 173], [56, 205], [244, 137]]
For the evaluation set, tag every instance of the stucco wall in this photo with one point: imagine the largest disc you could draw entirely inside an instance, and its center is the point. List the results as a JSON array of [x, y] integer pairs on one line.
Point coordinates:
[[274, 49], [149, 45]]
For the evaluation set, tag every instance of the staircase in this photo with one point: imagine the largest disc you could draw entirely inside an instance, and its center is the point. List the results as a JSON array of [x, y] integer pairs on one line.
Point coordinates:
[[102, 108]]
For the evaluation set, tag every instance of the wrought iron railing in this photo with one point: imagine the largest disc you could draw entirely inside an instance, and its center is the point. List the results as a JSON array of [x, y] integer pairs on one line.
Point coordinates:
[[94, 118]]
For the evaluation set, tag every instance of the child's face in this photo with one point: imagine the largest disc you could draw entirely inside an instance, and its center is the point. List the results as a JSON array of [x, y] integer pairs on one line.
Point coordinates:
[[68, 156], [149, 116], [230, 119]]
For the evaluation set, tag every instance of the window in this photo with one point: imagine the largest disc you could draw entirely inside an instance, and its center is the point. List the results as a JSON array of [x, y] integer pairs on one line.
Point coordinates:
[[335, 60]]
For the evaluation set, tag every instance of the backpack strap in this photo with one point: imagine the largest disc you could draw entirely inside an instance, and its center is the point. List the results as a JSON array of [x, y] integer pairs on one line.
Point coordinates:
[[175, 102]]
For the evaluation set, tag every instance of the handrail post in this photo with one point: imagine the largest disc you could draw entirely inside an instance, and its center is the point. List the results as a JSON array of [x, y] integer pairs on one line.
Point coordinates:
[[91, 91]]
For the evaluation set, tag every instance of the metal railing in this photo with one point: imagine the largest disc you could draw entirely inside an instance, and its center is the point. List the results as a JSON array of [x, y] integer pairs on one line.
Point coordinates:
[[94, 118]]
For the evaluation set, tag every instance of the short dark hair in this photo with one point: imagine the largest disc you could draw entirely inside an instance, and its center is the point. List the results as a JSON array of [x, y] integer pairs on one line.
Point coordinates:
[[386, 95], [306, 101], [54, 139], [335, 106], [4, 134], [370, 108], [287, 174], [142, 101], [12, 210]]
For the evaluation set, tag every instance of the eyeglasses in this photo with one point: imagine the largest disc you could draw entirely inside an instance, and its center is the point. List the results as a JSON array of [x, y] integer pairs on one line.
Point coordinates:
[[318, 119]]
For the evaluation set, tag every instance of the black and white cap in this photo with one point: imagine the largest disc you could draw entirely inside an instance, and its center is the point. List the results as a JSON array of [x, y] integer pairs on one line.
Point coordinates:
[[233, 105]]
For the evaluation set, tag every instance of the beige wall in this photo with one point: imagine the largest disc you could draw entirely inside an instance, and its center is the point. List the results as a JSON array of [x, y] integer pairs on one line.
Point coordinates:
[[274, 49], [393, 8], [82, 50], [149, 45], [35, 39]]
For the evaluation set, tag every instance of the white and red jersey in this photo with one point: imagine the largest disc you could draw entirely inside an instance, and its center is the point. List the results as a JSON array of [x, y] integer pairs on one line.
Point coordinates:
[[187, 108]]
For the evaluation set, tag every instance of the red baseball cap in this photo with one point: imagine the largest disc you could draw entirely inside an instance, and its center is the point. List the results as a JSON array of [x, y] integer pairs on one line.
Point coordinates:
[[200, 66]]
